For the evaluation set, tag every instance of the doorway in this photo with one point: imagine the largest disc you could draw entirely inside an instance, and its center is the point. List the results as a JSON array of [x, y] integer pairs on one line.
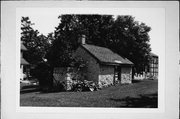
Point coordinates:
[[117, 74]]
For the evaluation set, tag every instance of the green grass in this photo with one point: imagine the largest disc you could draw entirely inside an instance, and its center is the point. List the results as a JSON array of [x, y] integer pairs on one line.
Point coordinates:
[[138, 94]]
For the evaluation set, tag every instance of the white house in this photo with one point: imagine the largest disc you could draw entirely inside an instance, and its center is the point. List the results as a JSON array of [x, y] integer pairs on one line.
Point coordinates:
[[23, 64]]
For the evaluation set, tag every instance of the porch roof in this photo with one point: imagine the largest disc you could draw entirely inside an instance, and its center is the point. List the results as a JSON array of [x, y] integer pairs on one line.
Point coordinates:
[[23, 47], [24, 62]]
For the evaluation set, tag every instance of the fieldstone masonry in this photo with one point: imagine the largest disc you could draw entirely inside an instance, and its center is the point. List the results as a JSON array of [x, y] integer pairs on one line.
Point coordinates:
[[106, 76], [61, 75], [105, 80], [126, 75]]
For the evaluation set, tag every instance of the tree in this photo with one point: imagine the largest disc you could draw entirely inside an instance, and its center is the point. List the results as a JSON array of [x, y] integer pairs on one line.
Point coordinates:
[[37, 47], [131, 40], [36, 44], [123, 35], [70, 29]]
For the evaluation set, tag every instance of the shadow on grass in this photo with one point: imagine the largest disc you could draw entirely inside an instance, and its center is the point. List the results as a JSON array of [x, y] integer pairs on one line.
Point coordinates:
[[29, 86], [29, 89], [143, 101], [136, 81]]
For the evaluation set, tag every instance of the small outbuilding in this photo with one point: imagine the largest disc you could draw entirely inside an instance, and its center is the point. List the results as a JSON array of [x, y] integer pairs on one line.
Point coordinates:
[[105, 67]]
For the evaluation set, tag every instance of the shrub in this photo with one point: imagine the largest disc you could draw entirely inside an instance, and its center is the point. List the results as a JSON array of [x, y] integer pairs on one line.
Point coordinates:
[[43, 73], [83, 86], [80, 68], [59, 86], [151, 77]]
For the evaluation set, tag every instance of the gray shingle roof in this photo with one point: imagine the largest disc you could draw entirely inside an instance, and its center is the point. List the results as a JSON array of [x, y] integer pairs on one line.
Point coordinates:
[[23, 47], [152, 54], [24, 62], [105, 55]]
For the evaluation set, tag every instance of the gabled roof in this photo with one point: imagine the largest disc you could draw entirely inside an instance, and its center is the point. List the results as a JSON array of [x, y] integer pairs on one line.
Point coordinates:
[[23, 47], [154, 55], [105, 55], [24, 62]]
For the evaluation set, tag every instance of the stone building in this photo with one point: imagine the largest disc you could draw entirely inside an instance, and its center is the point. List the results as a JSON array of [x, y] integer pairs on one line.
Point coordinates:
[[105, 67]]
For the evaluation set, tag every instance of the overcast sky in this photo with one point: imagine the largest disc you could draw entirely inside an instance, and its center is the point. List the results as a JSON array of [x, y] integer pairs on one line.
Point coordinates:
[[46, 19]]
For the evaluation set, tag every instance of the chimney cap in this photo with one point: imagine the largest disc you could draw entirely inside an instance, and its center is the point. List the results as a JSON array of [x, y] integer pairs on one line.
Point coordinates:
[[82, 39]]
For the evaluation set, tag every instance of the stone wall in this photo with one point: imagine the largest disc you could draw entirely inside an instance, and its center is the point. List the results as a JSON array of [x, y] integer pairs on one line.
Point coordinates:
[[103, 75], [61, 74], [126, 75], [92, 72], [106, 76]]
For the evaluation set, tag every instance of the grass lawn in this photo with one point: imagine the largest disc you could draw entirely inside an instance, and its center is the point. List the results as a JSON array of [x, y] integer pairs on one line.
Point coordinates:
[[138, 94]]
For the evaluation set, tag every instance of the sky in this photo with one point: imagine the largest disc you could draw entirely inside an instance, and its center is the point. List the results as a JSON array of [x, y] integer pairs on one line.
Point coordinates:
[[46, 19]]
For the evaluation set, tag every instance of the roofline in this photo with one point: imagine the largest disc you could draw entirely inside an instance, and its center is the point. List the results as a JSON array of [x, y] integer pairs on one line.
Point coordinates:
[[104, 63], [152, 54], [115, 64], [25, 62], [90, 53], [23, 48]]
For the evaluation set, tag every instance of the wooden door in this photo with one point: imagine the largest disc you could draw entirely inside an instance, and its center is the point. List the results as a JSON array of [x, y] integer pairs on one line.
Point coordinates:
[[119, 73]]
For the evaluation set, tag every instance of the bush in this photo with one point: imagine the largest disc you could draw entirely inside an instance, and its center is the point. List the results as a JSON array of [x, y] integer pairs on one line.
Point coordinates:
[[151, 77], [43, 73], [59, 86], [83, 86]]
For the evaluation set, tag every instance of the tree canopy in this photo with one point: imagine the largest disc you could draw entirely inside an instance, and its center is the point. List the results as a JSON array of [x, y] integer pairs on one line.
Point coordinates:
[[123, 35], [37, 44]]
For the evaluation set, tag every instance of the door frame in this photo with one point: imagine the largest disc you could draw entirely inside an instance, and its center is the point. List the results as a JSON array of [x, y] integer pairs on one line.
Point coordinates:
[[117, 72]]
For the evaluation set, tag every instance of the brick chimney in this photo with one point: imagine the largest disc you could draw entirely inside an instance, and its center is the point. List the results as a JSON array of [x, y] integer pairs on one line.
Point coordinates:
[[82, 40]]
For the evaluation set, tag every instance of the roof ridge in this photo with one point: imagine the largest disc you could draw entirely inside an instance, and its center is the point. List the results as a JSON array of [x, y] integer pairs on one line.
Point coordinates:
[[104, 54], [95, 45]]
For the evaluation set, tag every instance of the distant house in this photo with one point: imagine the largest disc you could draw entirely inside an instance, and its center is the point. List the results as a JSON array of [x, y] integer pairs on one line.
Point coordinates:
[[150, 70], [153, 65], [104, 66], [23, 64]]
